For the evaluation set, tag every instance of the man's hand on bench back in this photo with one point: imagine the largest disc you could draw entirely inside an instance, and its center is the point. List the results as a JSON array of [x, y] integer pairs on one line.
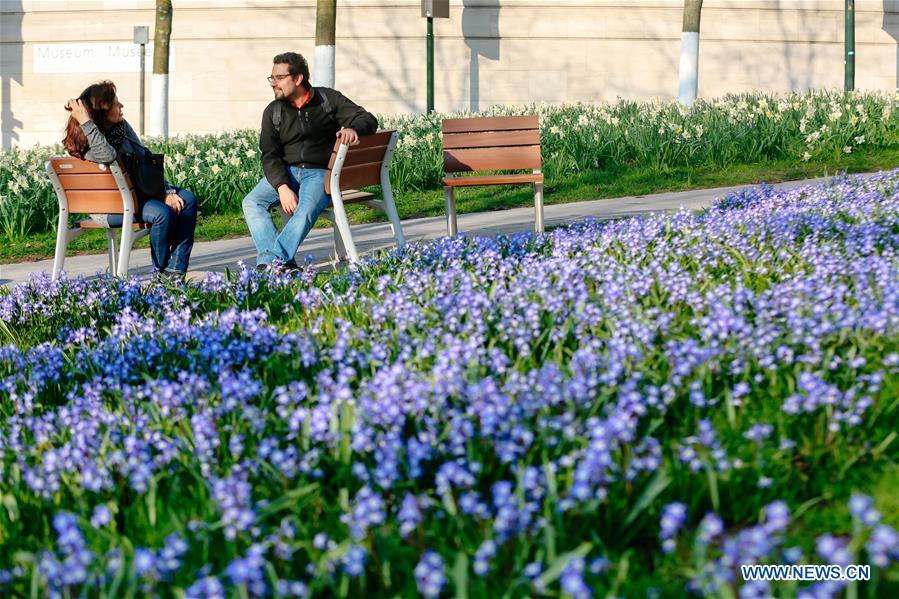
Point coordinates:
[[348, 136]]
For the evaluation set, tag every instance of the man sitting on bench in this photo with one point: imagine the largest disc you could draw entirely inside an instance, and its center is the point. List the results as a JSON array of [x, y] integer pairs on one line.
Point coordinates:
[[298, 132]]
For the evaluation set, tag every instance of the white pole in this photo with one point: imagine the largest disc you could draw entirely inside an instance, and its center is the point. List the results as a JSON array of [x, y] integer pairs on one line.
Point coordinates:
[[323, 74], [159, 105], [689, 67]]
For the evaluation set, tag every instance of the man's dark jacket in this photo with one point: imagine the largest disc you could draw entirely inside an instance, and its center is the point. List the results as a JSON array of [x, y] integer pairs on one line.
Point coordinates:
[[306, 135]]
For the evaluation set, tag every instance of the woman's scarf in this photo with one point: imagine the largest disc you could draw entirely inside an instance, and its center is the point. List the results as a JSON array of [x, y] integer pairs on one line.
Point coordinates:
[[117, 134]]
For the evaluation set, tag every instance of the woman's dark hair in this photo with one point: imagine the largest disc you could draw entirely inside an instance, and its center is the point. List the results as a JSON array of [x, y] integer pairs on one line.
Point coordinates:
[[99, 98], [296, 65]]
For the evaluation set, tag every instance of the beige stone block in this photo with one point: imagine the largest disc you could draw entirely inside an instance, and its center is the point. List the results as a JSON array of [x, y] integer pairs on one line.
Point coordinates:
[[254, 22], [53, 27], [547, 86], [649, 23], [720, 24], [875, 28], [798, 26]]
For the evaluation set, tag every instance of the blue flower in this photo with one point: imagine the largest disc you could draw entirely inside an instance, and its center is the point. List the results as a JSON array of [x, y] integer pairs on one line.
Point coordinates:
[[429, 574]]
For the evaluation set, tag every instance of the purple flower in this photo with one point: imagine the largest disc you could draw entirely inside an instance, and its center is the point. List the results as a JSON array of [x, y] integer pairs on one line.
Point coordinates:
[[673, 517], [777, 517], [409, 515], [367, 511], [862, 507], [883, 546], [209, 587], [572, 579], [710, 528], [101, 516], [429, 574], [354, 561], [482, 557], [833, 550], [144, 562]]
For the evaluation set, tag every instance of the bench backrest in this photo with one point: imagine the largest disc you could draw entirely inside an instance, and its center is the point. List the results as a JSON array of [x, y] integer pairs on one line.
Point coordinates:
[[89, 187], [491, 143], [362, 163]]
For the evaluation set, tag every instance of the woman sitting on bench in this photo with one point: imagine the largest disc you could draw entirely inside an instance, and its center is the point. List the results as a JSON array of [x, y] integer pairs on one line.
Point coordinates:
[[98, 132]]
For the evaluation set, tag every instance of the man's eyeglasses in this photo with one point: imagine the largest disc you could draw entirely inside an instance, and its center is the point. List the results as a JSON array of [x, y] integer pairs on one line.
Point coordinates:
[[274, 78]]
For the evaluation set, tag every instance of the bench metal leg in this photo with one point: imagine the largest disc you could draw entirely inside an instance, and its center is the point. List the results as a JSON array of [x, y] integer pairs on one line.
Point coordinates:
[[62, 240], [111, 242], [450, 195], [538, 207], [343, 226], [125, 246], [339, 248], [393, 216]]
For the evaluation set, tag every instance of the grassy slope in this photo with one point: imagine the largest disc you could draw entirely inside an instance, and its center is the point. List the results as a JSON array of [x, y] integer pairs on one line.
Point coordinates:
[[598, 184]]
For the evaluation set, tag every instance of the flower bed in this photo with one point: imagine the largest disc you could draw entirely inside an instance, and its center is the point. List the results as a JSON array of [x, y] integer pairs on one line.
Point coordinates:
[[626, 407], [741, 129]]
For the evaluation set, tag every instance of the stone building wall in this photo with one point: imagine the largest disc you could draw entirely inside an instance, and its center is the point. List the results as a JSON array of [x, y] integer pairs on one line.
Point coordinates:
[[488, 52]]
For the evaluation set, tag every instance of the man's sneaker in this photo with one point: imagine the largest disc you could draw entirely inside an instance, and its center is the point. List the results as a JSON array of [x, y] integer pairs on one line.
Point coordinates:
[[277, 269], [171, 276]]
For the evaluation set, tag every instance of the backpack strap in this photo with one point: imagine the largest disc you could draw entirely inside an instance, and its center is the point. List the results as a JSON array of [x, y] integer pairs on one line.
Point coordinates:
[[276, 116], [276, 110], [326, 102]]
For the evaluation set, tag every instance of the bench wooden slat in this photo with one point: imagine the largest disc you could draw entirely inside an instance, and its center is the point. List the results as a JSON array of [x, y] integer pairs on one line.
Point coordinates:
[[71, 166], [500, 123], [364, 156], [95, 201], [352, 196], [92, 224], [520, 157], [88, 181], [366, 142], [493, 180], [499, 139], [381, 138], [360, 175]]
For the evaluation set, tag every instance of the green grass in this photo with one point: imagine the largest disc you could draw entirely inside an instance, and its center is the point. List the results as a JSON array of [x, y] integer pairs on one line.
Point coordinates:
[[605, 183]]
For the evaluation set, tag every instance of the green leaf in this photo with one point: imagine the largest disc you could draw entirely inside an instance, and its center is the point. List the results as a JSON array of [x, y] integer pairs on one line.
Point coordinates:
[[288, 499], [460, 575], [882, 446], [713, 486], [655, 487], [555, 569], [450, 504]]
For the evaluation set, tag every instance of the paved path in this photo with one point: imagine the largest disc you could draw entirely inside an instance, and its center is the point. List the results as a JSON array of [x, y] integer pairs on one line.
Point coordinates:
[[224, 254]]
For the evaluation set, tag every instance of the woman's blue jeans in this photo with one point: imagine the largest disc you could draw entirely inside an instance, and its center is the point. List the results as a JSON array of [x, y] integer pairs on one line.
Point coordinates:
[[171, 235], [309, 185]]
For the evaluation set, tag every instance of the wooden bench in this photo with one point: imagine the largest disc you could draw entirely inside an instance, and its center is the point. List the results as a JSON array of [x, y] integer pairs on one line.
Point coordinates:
[[491, 144], [351, 167], [84, 187]]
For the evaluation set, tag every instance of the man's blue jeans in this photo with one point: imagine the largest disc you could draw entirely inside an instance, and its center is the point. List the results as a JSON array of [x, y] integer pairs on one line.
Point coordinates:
[[171, 235], [309, 185]]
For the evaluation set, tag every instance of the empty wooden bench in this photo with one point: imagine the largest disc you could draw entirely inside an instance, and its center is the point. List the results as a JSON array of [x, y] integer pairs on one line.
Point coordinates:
[[84, 187], [351, 167], [491, 144]]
